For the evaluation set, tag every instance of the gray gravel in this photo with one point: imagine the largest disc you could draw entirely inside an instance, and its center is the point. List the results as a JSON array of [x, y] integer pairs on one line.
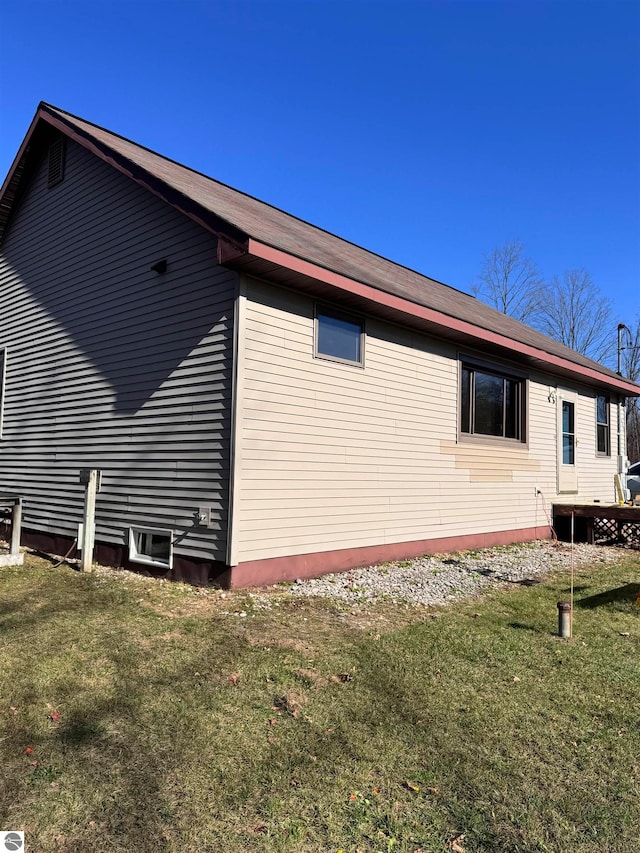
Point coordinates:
[[432, 580]]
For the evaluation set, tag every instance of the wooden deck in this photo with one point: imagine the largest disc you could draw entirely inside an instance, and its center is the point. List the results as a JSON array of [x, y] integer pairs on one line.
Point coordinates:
[[598, 524]]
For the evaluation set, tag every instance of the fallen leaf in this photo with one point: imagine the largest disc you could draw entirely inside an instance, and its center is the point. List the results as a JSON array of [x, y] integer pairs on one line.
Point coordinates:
[[435, 791], [15, 710], [272, 721], [28, 750], [233, 679], [456, 844], [353, 798], [516, 679], [376, 790], [624, 633], [55, 716]]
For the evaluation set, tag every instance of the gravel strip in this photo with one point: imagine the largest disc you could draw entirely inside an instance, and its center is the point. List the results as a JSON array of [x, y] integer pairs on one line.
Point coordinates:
[[441, 578]]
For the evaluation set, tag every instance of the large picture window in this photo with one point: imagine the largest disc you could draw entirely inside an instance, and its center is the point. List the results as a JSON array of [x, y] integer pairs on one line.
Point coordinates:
[[339, 336], [603, 429], [491, 403]]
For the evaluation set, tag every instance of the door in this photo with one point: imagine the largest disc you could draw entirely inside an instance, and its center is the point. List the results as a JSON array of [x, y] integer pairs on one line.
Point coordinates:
[[567, 445]]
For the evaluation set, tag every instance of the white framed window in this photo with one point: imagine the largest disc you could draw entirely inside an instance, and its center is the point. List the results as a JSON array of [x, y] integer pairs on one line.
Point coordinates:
[[3, 372], [151, 546], [339, 336]]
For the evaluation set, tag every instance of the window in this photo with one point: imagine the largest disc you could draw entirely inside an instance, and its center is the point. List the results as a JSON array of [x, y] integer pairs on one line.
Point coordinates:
[[491, 403], [150, 546], [603, 430], [568, 433], [339, 336], [3, 370]]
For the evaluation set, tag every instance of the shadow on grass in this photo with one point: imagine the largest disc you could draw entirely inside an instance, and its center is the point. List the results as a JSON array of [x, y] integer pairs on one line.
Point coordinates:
[[626, 594], [110, 735]]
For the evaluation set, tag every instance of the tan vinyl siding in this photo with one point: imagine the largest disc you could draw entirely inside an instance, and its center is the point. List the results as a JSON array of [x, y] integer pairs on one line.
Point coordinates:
[[113, 366], [595, 472], [336, 456]]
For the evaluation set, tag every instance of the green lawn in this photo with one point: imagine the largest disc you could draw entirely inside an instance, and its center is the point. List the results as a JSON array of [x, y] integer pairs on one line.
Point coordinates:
[[139, 715]]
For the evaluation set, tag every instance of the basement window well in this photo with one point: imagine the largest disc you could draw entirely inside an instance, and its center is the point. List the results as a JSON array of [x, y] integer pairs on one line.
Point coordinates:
[[151, 546]]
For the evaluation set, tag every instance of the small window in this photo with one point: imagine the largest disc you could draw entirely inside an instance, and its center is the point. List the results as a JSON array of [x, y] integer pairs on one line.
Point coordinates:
[[3, 371], [339, 336], [491, 403], [151, 546], [603, 428]]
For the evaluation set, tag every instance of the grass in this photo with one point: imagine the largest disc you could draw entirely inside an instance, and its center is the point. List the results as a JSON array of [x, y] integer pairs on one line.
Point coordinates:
[[156, 717]]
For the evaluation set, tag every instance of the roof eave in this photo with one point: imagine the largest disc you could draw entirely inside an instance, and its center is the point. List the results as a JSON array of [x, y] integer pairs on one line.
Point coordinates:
[[270, 262]]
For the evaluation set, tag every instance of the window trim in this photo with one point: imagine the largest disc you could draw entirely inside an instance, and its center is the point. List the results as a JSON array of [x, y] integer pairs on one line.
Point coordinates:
[[145, 559], [603, 453], [505, 371], [338, 314]]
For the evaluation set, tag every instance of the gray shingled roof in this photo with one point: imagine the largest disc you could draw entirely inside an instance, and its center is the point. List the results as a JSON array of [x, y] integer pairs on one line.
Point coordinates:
[[283, 231]]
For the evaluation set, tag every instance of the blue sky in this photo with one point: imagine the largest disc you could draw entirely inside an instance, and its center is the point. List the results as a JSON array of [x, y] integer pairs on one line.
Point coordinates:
[[429, 132]]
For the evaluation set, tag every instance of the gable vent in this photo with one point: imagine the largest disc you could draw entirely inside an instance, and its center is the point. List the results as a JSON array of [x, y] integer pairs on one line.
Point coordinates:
[[56, 161]]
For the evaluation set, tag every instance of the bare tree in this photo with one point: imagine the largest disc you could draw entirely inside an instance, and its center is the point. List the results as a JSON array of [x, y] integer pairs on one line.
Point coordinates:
[[510, 281], [574, 312], [631, 369]]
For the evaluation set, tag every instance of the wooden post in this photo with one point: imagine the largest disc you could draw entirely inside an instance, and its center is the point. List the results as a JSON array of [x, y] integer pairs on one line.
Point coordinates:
[[16, 524], [90, 479]]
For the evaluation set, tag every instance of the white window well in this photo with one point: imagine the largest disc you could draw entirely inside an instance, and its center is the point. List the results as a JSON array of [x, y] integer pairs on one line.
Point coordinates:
[[151, 546]]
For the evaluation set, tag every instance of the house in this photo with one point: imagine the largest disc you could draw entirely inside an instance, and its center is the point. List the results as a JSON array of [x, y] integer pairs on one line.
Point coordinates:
[[263, 400]]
